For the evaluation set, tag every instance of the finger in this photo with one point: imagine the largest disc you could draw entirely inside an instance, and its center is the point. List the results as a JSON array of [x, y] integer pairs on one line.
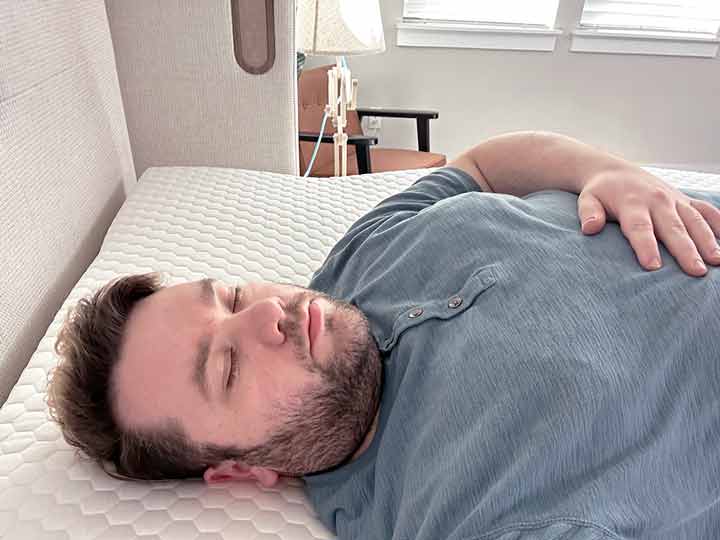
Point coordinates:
[[700, 232], [637, 226], [591, 213], [671, 230], [709, 212]]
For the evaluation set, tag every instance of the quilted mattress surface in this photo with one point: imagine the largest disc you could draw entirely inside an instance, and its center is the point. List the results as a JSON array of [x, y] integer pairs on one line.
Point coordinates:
[[189, 223]]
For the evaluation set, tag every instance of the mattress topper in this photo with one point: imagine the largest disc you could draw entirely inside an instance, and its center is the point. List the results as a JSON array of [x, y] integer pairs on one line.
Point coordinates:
[[188, 223]]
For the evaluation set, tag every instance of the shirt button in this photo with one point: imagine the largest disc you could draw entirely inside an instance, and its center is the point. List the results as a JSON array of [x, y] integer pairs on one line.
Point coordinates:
[[415, 313], [455, 301]]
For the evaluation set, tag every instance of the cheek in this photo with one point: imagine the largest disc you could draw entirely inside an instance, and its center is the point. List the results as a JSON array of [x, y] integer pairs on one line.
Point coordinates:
[[259, 402], [265, 377]]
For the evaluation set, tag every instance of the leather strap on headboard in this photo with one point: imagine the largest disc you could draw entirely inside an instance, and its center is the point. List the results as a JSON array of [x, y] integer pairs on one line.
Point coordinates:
[[253, 24]]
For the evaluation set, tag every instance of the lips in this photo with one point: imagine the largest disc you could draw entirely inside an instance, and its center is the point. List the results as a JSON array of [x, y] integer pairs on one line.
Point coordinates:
[[308, 326], [314, 323]]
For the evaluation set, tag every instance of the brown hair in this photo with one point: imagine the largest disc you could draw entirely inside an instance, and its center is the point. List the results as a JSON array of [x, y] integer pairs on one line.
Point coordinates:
[[81, 394]]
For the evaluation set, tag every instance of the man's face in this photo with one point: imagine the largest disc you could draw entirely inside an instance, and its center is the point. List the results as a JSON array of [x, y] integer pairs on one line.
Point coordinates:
[[237, 369]]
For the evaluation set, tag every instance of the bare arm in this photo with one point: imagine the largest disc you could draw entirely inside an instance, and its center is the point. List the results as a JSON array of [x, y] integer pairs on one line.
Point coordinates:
[[609, 188], [528, 161]]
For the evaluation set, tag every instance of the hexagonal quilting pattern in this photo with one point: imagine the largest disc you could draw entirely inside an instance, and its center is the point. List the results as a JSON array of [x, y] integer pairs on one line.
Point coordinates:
[[188, 223]]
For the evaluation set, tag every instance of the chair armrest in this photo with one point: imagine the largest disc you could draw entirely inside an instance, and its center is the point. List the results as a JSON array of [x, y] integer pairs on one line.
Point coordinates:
[[355, 140], [395, 113], [360, 142], [422, 120]]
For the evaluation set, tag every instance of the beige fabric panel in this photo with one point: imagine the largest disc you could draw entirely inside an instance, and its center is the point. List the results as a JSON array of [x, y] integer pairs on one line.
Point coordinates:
[[186, 99], [65, 162]]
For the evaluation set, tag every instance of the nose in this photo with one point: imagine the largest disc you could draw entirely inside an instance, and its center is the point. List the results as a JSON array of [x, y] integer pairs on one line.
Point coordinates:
[[261, 321]]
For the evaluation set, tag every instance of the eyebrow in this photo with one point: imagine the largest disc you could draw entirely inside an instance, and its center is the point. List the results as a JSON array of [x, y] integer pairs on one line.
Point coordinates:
[[207, 297]]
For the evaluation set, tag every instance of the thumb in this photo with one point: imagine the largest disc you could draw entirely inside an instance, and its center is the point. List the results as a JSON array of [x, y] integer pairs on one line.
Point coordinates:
[[591, 213]]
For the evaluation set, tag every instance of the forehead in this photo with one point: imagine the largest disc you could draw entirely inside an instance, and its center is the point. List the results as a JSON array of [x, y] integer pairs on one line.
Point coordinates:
[[164, 325], [158, 340], [161, 339]]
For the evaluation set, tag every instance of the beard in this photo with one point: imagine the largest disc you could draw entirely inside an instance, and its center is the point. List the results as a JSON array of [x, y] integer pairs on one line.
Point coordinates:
[[326, 422]]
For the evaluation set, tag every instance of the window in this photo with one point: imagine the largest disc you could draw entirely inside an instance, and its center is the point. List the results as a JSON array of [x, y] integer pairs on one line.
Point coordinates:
[[518, 12], [654, 27], [479, 24], [690, 16], [660, 27]]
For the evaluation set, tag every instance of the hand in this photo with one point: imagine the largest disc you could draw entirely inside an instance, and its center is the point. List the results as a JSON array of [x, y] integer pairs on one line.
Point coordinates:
[[649, 210]]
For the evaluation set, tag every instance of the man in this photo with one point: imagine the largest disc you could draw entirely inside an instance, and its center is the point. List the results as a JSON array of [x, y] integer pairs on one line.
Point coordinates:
[[465, 364]]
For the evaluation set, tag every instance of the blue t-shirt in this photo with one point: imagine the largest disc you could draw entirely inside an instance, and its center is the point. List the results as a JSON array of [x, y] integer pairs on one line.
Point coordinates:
[[538, 383]]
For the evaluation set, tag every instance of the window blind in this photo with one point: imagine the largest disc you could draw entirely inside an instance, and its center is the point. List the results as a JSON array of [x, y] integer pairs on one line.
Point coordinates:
[[517, 12], [702, 16]]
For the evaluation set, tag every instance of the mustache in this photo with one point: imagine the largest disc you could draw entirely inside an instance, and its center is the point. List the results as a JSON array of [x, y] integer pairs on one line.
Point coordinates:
[[290, 325]]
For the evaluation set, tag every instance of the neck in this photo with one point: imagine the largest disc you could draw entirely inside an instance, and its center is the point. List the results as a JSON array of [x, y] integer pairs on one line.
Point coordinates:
[[368, 437]]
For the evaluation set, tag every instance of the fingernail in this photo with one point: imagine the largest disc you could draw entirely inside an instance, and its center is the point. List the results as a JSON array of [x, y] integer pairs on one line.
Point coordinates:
[[716, 253], [654, 264], [700, 265]]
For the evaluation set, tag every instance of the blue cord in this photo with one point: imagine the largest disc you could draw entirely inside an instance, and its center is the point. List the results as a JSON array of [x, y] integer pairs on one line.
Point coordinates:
[[317, 145]]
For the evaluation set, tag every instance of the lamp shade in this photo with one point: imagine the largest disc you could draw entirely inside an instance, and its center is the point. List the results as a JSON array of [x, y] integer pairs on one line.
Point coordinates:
[[339, 27]]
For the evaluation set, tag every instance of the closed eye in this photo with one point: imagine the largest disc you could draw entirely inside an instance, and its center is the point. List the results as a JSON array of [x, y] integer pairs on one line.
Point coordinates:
[[233, 369], [236, 290], [233, 359]]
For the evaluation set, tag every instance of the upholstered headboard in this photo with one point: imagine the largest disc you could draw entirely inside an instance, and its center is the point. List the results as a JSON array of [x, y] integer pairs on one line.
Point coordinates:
[[203, 85], [65, 162], [66, 165]]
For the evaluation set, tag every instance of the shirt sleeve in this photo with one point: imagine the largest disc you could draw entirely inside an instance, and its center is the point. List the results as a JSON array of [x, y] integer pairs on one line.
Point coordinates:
[[438, 185]]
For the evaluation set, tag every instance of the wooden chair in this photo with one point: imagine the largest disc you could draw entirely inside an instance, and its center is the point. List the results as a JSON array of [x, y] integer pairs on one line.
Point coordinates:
[[362, 158]]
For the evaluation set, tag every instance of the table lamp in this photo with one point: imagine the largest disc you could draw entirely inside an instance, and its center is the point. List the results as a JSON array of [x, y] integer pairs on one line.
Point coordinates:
[[339, 28]]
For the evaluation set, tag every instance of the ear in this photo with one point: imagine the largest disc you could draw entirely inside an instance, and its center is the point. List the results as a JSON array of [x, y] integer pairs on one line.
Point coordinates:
[[231, 470]]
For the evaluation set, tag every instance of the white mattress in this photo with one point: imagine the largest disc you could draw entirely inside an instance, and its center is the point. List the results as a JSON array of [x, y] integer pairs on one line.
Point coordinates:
[[189, 223]]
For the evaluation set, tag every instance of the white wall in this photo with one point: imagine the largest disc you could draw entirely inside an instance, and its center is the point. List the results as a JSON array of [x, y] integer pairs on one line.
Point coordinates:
[[657, 110]]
